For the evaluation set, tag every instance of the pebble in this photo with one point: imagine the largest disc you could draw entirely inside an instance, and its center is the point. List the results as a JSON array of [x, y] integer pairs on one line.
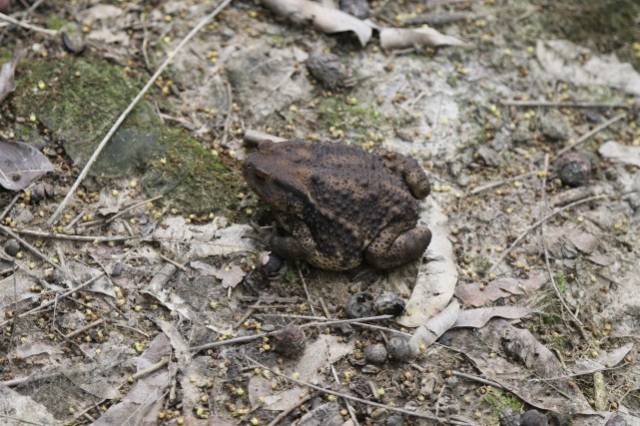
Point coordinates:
[[12, 247], [399, 348], [389, 304], [360, 305], [376, 353], [574, 169], [290, 341]]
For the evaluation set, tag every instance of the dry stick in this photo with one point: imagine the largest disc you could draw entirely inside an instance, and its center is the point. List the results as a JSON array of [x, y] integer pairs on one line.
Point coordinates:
[[26, 26], [132, 105], [9, 207], [83, 329], [546, 255], [537, 224], [244, 339], [588, 135], [309, 317], [418, 414], [133, 206], [71, 237], [55, 300], [480, 380], [306, 291], [7, 231], [21, 421], [350, 409], [548, 104], [152, 369], [280, 417], [495, 184]]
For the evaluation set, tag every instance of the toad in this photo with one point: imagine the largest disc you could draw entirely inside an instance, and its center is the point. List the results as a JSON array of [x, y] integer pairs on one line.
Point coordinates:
[[339, 205]]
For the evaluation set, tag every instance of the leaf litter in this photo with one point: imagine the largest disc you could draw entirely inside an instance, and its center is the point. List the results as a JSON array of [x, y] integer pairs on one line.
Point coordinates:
[[185, 281]]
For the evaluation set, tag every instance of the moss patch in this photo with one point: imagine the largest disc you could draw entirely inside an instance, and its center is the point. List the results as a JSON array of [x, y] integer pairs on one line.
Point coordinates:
[[78, 100], [500, 400], [360, 123]]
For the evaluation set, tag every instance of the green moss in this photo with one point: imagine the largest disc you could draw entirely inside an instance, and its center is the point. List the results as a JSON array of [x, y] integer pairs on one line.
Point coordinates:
[[500, 400], [55, 22], [561, 282], [193, 178], [358, 122], [78, 100]]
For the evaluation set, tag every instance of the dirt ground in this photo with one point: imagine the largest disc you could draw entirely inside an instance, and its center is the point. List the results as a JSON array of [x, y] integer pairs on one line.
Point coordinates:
[[147, 295]]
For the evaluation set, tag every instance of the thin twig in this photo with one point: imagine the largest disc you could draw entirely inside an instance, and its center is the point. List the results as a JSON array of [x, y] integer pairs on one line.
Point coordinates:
[[27, 26], [589, 134], [7, 209], [83, 329], [78, 238], [495, 184], [418, 414], [537, 224], [325, 323], [134, 102], [133, 206], [7, 231], [21, 421], [306, 291], [480, 380], [173, 262], [227, 121], [51, 302], [546, 254], [350, 409], [151, 369], [280, 417], [550, 104]]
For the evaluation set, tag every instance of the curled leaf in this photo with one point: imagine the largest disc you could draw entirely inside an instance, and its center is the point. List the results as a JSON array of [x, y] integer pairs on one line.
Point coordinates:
[[400, 38], [7, 73]]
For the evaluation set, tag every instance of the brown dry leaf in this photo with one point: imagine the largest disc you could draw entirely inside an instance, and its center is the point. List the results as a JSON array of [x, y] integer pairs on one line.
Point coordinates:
[[437, 278], [521, 364], [603, 361], [324, 19], [474, 295], [400, 38], [7, 73], [619, 153], [20, 163], [231, 274], [476, 318]]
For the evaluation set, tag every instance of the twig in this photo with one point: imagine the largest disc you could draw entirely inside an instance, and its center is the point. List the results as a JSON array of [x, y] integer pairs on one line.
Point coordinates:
[[546, 254], [480, 380], [133, 206], [51, 302], [26, 26], [7, 231], [244, 339], [21, 421], [134, 102], [227, 121], [71, 237], [280, 417], [537, 224], [173, 262], [151, 369], [7, 209], [306, 291], [495, 184], [255, 137], [550, 104], [417, 414], [350, 409], [83, 329], [588, 135]]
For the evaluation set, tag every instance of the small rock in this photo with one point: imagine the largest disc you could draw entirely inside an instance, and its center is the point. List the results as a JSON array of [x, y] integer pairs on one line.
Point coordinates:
[[360, 305], [273, 265], [395, 420], [574, 169], [616, 421], [5, 5], [357, 8], [290, 341], [12, 247], [522, 134], [533, 418], [329, 70], [399, 348], [73, 39], [509, 418], [389, 304], [376, 353], [554, 126], [370, 369], [117, 269]]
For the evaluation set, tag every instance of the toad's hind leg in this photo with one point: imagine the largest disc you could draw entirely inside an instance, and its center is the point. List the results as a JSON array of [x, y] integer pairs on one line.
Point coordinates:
[[302, 245], [393, 248]]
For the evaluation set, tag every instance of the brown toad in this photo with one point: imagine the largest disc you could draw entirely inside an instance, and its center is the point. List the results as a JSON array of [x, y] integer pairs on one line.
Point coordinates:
[[340, 204]]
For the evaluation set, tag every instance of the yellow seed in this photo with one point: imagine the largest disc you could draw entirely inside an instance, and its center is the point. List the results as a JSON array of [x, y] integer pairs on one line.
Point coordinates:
[[41, 85]]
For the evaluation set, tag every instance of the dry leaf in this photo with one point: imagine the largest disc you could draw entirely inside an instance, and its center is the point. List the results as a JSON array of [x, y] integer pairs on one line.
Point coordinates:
[[566, 61], [437, 278], [476, 318], [603, 361], [400, 38], [7, 73], [231, 275], [474, 294], [434, 328], [21, 410], [619, 153], [21, 164], [325, 19]]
